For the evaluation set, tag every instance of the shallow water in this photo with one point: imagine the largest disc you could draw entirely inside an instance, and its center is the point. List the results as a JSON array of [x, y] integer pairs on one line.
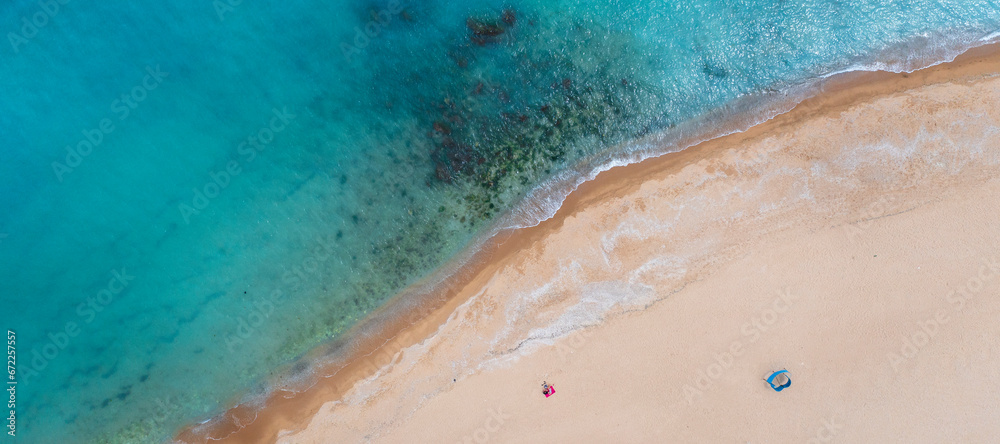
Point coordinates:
[[245, 182]]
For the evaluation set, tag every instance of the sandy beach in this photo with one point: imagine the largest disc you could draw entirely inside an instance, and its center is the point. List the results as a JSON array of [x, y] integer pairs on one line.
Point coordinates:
[[852, 241]]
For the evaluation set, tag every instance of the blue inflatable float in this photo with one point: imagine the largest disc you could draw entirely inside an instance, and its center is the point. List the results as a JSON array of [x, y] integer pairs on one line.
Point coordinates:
[[780, 386]]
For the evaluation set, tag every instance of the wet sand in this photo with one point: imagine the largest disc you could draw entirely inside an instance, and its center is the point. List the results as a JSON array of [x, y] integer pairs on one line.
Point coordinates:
[[822, 241]]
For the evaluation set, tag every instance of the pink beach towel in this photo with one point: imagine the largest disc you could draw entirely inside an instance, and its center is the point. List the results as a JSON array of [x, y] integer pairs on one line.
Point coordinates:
[[552, 391]]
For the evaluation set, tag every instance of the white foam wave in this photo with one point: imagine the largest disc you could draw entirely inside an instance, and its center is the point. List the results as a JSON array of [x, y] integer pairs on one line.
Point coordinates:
[[991, 38], [920, 53]]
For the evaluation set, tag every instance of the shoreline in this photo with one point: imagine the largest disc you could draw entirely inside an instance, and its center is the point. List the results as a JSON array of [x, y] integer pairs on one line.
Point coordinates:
[[837, 93]]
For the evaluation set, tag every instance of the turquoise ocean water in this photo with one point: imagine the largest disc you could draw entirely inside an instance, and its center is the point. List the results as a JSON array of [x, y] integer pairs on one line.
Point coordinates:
[[195, 193]]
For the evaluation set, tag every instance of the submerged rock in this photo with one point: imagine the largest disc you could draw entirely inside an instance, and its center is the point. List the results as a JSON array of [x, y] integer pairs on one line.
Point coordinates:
[[488, 135], [442, 128], [484, 28], [486, 31], [509, 17]]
